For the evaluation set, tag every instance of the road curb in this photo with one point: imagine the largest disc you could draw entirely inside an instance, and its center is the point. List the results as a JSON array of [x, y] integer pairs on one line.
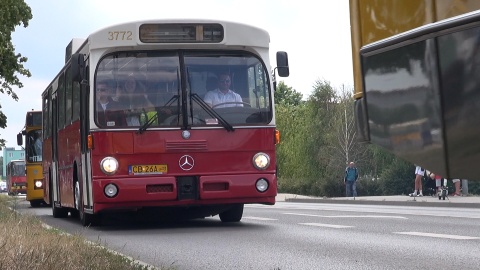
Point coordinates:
[[398, 203]]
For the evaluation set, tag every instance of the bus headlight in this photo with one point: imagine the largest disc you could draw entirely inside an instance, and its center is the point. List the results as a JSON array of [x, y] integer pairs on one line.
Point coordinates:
[[261, 161], [111, 190], [261, 185], [109, 165], [37, 184]]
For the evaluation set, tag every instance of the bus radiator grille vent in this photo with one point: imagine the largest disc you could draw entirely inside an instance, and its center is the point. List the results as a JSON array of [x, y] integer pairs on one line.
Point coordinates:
[[215, 186], [186, 146], [159, 188]]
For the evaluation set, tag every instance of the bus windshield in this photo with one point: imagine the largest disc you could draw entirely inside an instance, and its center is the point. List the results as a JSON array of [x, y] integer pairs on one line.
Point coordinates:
[[33, 145], [18, 169], [133, 87]]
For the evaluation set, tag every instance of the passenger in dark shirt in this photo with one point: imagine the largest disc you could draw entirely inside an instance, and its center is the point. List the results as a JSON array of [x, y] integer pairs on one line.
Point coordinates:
[[108, 111]]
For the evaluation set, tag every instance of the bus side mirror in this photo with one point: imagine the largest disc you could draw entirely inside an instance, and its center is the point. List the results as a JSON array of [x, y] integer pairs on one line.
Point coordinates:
[[20, 139], [282, 64], [78, 67]]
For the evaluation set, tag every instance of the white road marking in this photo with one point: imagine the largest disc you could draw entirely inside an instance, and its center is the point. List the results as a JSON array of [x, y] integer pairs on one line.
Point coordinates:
[[448, 212], [327, 225], [345, 216], [437, 235], [259, 218]]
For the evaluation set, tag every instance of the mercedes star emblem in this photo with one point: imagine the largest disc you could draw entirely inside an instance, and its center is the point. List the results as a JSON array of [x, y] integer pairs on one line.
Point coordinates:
[[186, 162]]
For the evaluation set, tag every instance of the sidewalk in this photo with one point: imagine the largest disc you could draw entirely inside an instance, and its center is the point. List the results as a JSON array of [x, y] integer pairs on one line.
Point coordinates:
[[402, 200]]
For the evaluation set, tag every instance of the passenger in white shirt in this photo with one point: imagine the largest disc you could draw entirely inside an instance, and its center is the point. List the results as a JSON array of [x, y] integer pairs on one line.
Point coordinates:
[[223, 97]]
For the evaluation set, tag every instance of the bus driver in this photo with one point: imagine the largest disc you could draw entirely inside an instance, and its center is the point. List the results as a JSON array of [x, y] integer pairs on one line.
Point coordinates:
[[222, 96]]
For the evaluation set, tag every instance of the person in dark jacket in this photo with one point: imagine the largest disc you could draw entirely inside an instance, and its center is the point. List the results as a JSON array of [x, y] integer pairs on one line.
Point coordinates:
[[350, 180], [107, 110]]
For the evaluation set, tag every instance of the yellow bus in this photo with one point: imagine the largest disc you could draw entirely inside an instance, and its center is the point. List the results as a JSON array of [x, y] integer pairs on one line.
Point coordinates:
[[33, 156], [416, 70]]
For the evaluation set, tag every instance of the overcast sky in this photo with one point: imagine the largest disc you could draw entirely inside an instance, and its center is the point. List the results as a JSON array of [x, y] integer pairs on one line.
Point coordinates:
[[315, 34]]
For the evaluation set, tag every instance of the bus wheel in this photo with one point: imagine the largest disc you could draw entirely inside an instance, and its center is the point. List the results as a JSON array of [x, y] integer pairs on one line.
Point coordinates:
[[233, 214], [85, 219], [58, 212], [35, 203], [90, 219]]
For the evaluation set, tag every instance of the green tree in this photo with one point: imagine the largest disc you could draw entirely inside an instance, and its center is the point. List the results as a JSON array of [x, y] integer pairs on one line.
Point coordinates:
[[1, 168], [12, 13], [290, 117], [397, 178], [287, 95], [346, 145], [322, 105]]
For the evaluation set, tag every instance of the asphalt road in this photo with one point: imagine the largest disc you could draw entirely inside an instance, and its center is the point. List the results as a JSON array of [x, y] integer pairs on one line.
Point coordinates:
[[297, 236]]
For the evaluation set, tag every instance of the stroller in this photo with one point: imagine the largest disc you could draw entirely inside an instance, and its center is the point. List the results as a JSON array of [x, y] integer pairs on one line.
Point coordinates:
[[443, 191], [429, 186]]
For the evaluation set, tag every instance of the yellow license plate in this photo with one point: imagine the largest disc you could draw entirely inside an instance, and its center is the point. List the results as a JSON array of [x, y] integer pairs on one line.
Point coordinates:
[[147, 169]]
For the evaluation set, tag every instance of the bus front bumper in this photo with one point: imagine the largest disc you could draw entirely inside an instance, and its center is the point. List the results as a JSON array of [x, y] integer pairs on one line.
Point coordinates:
[[184, 191]]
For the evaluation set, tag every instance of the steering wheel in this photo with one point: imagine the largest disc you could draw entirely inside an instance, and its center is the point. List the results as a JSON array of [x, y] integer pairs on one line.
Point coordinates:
[[232, 102]]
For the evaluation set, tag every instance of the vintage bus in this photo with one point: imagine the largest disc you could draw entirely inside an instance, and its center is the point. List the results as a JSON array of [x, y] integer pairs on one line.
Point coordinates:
[[33, 156], [158, 144], [16, 179], [416, 73]]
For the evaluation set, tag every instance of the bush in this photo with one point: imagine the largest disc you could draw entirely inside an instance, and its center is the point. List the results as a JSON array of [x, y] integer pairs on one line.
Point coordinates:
[[398, 179], [368, 186]]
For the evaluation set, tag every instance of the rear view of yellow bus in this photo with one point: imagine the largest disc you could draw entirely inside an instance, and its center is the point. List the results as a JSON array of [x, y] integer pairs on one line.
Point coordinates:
[[33, 156], [416, 66]]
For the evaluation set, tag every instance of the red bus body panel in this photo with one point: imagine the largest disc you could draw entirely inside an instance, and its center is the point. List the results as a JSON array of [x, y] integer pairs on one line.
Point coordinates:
[[223, 165], [17, 184]]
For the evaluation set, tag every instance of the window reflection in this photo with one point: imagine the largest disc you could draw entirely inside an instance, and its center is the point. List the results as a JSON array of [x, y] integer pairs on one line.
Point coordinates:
[[148, 87]]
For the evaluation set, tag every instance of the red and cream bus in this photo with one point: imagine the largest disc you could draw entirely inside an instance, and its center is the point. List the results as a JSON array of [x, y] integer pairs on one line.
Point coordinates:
[[158, 144], [16, 179]]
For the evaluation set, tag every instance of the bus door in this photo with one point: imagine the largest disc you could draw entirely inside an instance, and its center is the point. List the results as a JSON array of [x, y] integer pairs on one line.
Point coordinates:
[[54, 173], [84, 132]]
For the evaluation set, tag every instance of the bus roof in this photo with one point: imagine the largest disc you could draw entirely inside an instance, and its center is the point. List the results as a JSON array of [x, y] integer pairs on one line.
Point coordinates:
[[17, 160], [127, 34]]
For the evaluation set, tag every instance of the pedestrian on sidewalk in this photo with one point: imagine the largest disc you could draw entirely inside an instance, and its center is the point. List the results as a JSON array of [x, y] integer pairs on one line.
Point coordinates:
[[350, 180], [441, 184], [419, 172], [456, 183]]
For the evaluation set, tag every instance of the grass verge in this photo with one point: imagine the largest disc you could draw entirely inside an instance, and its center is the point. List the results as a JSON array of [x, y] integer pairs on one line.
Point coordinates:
[[26, 244]]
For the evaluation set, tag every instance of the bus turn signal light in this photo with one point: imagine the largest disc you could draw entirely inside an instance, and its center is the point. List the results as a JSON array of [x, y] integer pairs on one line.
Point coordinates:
[[90, 141], [277, 136]]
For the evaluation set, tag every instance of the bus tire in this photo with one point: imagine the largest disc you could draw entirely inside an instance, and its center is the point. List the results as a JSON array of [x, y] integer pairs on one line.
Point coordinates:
[[85, 218], [233, 214], [35, 203], [57, 212], [89, 219]]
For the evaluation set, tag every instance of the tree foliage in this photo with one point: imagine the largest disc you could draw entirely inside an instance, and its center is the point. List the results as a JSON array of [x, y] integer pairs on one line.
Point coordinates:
[[12, 13], [286, 95]]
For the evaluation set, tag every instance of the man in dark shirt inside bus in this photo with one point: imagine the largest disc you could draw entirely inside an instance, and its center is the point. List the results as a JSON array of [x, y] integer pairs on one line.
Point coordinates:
[[108, 110]]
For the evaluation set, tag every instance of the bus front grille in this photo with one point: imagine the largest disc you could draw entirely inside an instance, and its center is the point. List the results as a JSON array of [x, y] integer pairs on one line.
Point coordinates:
[[159, 188]]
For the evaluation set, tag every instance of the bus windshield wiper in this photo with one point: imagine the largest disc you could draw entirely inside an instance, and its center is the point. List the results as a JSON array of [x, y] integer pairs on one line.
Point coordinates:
[[211, 111], [155, 117]]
